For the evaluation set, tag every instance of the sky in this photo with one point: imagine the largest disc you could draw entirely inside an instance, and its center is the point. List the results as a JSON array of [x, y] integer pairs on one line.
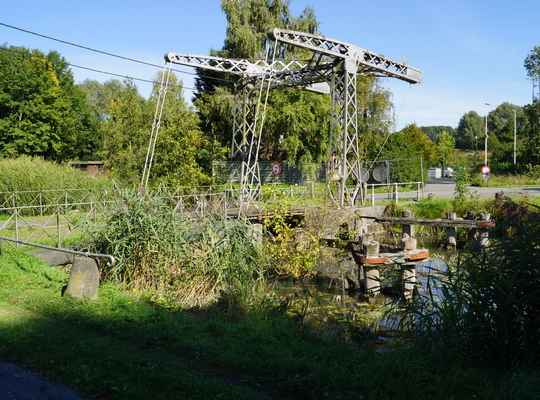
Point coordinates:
[[471, 52]]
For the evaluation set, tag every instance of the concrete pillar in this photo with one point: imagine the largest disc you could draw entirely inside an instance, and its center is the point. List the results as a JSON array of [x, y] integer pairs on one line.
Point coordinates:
[[451, 231], [84, 279], [371, 279], [371, 272], [408, 278], [483, 239], [255, 232], [409, 243], [471, 235], [407, 229]]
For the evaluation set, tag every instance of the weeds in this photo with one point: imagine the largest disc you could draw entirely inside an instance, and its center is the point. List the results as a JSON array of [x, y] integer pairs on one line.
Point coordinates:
[[486, 310]]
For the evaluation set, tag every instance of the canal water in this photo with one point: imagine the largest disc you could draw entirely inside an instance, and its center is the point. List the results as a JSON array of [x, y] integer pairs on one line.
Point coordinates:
[[335, 296]]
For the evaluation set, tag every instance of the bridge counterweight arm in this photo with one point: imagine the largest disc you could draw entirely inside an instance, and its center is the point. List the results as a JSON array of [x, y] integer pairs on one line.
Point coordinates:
[[364, 59]]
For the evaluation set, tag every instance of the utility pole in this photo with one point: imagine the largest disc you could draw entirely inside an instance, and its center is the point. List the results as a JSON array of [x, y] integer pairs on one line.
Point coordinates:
[[486, 138], [514, 137]]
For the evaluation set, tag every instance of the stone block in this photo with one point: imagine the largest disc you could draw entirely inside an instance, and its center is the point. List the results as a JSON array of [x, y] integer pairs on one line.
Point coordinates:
[[84, 279]]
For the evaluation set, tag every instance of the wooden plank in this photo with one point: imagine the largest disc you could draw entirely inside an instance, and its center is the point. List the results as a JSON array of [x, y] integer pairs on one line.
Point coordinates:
[[419, 256], [447, 223], [378, 260]]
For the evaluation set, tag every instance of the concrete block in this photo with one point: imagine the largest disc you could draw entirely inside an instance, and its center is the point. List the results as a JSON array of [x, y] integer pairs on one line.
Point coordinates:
[[84, 279]]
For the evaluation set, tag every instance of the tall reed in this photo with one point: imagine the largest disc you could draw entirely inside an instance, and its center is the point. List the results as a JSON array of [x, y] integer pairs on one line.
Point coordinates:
[[194, 261], [486, 310]]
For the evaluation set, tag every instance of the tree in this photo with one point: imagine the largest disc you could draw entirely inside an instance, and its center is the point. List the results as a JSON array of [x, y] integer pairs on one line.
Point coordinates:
[[375, 115], [532, 65], [433, 132], [469, 131], [531, 134], [42, 112], [182, 154], [125, 133], [501, 132], [445, 145], [297, 123], [410, 142]]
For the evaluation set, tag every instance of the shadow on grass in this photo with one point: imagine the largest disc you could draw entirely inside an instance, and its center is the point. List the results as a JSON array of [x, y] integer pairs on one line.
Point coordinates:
[[123, 346]]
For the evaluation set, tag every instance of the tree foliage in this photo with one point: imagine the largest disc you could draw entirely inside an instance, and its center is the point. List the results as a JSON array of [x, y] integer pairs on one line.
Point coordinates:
[[470, 129], [501, 132], [181, 151], [532, 64], [409, 143], [445, 145], [297, 123], [433, 132], [42, 112]]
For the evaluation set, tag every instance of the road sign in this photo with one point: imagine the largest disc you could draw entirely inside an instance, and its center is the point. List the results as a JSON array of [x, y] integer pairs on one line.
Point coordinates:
[[485, 171], [276, 168]]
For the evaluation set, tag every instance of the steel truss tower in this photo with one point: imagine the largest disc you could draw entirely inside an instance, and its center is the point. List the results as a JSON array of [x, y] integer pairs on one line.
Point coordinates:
[[333, 69]]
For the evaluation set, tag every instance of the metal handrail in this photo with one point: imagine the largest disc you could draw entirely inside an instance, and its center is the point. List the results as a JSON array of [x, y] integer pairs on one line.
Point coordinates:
[[111, 263]]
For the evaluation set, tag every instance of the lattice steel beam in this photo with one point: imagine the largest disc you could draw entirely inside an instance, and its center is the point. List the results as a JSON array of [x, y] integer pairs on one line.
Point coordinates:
[[365, 60]]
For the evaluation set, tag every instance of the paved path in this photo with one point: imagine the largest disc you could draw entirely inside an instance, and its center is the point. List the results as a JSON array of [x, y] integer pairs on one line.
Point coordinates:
[[18, 383]]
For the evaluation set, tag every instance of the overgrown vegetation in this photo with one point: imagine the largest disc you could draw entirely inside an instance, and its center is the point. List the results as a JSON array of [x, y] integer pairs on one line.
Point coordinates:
[[205, 352], [35, 174], [193, 262], [485, 311], [293, 248]]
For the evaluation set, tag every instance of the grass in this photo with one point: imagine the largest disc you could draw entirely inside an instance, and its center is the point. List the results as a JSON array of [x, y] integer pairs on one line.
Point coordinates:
[[505, 181], [105, 347]]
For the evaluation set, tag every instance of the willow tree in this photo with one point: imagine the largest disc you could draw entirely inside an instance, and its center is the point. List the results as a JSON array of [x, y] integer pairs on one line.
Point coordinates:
[[297, 123]]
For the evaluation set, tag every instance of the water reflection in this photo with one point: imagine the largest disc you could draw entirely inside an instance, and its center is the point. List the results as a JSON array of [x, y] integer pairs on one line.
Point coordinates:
[[336, 291]]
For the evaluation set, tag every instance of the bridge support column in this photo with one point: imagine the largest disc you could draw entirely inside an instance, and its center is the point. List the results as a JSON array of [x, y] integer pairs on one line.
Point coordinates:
[[451, 231], [371, 271], [408, 279], [407, 230], [483, 238]]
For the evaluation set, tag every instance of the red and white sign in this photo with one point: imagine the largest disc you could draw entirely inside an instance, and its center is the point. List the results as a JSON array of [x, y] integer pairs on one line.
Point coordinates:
[[486, 170], [276, 168]]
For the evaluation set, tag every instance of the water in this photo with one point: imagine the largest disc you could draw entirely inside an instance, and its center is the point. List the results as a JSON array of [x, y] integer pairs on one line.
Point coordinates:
[[335, 292]]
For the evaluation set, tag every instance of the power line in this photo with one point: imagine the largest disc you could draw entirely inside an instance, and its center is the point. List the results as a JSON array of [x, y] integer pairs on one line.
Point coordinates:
[[111, 55], [93, 69], [80, 46]]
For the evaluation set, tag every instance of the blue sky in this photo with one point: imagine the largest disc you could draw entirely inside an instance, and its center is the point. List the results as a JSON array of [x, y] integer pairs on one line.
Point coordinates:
[[470, 51]]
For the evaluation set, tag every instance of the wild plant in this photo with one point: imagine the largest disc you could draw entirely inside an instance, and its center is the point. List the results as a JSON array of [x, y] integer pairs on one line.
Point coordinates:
[[291, 244], [486, 310], [192, 261]]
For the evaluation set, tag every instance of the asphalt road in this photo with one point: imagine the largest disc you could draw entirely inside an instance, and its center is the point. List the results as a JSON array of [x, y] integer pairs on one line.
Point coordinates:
[[445, 188]]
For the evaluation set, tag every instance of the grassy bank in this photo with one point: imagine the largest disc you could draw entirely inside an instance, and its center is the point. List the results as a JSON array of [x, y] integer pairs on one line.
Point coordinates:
[[125, 346]]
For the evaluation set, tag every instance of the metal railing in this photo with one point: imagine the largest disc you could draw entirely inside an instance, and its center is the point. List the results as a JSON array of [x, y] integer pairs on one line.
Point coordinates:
[[393, 192], [110, 263]]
